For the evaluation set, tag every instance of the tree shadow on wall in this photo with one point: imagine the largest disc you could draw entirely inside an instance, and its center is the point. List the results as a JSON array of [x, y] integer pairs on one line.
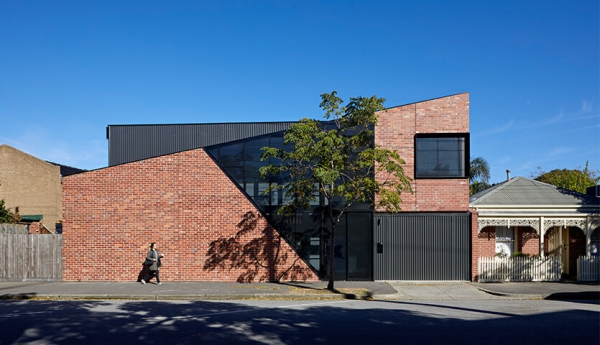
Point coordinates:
[[260, 254]]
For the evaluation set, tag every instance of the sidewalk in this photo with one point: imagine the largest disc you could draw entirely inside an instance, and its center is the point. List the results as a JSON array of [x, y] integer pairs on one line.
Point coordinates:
[[346, 290]]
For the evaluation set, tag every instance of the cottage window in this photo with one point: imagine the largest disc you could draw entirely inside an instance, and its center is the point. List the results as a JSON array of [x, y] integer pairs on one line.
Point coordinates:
[[505, 239], [595, 243]]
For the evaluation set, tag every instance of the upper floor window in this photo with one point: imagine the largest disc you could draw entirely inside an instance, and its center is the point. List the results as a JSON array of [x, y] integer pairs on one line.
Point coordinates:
[[442, 155]]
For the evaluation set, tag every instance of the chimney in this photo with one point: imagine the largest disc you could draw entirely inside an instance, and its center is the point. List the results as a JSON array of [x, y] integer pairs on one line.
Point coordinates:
[[507, 175]]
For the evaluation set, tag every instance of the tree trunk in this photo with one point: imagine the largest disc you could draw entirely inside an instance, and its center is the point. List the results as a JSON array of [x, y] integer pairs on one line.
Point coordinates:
[[334, 222], [331, 255]]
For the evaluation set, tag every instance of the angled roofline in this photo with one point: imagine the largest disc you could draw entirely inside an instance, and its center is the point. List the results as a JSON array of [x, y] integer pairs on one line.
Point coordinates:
[[428, 100], [201, 123], [272, 122]]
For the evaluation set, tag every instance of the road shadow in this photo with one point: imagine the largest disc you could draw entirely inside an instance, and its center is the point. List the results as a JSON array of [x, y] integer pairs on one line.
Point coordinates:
[[314, 322], [574, 296]]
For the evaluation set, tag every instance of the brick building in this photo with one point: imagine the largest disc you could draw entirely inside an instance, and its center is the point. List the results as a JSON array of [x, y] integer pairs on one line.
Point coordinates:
[[196, 191], [31, 187]]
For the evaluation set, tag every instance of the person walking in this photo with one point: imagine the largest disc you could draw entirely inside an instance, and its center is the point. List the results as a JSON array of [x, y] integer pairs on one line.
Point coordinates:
[[153, 263]]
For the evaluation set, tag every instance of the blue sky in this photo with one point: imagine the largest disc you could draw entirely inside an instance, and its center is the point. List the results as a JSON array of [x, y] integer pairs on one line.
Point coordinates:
[[70, 68]]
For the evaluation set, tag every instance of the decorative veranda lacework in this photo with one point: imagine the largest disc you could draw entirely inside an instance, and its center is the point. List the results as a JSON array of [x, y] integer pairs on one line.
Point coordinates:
[[535, 223], [531, 222], [565, 222]]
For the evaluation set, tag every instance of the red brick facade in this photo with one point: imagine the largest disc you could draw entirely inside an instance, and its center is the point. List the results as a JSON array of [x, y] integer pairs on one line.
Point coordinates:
[[396, 130], [483, 244], [206, 227]]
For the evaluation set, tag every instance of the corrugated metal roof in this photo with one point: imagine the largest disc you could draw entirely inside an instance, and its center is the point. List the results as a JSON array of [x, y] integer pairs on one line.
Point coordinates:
[[128, 143], [524, 191]]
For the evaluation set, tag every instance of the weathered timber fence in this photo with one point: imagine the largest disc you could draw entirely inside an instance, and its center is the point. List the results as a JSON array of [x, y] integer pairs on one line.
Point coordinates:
[[588, 268], [6, 228], [519, 269], [30, 257]]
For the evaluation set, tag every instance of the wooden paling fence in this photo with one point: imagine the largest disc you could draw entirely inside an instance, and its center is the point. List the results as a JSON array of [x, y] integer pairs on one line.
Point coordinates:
[[588, 268], [13, 228], [519, 269], [30, 257]]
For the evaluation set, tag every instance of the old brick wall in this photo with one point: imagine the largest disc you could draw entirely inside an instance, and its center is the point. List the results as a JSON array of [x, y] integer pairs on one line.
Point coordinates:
[[396, 130], [528, 241], [483, 243], [206, 227], [31, 184]]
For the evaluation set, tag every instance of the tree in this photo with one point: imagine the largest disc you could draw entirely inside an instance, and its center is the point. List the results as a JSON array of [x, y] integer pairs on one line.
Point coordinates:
[[480, 175], [5, 215], [337, 160], [576, 179]]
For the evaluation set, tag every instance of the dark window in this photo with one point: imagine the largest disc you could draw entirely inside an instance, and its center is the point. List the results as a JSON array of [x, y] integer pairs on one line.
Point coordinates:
[[442, 155]]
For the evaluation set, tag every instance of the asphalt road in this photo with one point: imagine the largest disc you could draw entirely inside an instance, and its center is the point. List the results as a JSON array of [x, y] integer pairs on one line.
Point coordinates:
[[300, 322]]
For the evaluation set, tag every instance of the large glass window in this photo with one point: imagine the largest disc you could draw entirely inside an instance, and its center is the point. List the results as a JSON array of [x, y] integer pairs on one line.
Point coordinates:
[[232, 159], [441, 156], [241, 160], [306, 232]]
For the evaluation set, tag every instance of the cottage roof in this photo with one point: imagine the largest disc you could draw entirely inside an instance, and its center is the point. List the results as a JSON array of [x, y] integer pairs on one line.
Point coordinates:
[[521, 191], [526, 202]]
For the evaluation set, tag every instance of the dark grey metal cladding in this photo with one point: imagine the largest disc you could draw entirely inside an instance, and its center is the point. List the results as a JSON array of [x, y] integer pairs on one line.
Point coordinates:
[[422, 246], [128, 143]]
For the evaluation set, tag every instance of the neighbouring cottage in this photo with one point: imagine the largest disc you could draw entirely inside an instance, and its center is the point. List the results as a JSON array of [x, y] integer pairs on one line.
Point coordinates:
[[195, 190], [528, 217]]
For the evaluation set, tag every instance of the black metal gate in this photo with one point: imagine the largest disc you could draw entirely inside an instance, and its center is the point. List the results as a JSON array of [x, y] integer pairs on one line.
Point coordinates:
[[422, 246]]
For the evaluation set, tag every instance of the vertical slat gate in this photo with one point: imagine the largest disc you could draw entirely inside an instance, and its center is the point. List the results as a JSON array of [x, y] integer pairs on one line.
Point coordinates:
[[422, 246]]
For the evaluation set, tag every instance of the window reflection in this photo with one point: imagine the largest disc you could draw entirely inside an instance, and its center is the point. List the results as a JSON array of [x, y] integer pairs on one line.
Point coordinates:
[[441, 156], [305, 232]]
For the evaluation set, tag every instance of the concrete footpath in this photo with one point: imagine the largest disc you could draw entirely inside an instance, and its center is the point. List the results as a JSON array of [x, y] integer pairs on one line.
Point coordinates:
[[292, 291]]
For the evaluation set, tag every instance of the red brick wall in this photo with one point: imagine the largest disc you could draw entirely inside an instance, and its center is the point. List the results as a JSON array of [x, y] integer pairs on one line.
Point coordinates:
[[396, 130], [483, 243], [528, 241], [206, 227]]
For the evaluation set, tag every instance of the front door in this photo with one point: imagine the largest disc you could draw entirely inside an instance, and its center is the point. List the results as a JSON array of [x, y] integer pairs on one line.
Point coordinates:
[[353, 256], [564, 250], [360, 254]]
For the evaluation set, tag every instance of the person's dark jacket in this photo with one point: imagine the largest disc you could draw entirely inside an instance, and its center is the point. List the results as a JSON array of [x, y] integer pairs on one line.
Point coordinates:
[[154, 258]]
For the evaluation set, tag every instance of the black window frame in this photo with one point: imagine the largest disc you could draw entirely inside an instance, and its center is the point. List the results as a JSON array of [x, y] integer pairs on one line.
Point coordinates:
[[440, 175]]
